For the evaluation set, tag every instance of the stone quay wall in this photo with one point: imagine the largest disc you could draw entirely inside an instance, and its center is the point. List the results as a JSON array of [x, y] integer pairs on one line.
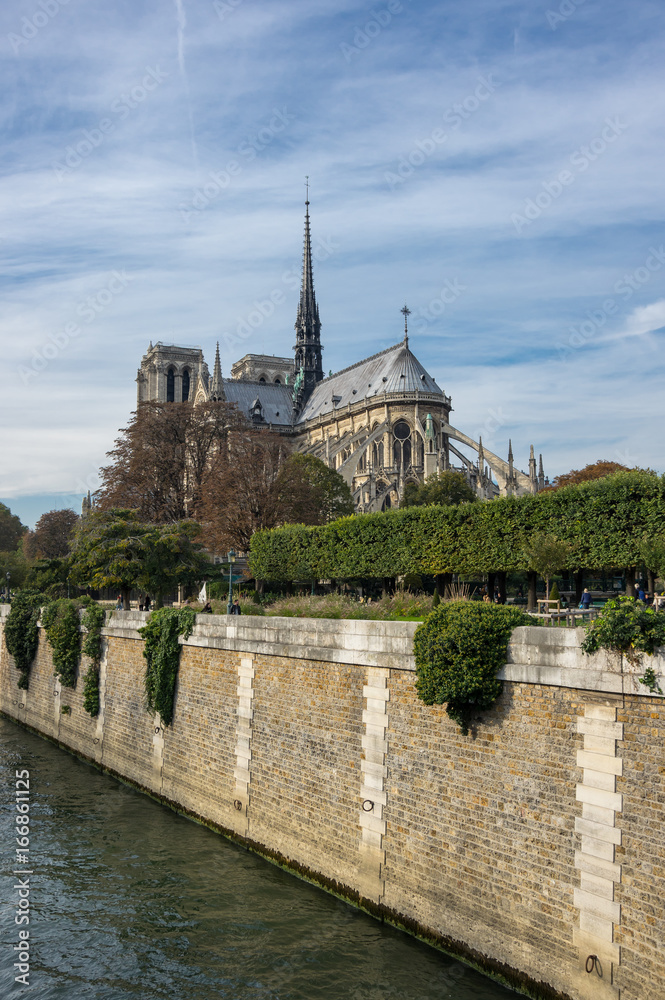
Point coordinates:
[[527, 847]]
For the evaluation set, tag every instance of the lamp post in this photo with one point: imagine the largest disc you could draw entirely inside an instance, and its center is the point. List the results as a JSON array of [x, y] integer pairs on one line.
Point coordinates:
[[232, 559], [9, 593]]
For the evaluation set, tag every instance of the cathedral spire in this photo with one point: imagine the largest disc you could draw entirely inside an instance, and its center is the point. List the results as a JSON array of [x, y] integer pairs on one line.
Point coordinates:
[[308, 326], [217, 386]]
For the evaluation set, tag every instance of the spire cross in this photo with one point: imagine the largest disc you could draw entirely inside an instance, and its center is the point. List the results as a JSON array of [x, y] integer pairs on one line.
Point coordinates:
[[406, 312], [307, 187]]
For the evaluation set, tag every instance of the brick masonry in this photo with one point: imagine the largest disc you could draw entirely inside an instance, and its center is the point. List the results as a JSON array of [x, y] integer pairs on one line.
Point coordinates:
[[529, 847]]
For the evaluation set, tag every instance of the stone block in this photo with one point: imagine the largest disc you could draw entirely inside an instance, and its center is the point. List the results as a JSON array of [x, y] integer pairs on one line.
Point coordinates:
[[600, 762], [599, 797]]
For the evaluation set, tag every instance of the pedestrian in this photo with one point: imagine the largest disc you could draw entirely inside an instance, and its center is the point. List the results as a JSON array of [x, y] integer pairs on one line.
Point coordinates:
[[585, 603], [235, 607], [640, 592], [118, 606], [146, 603]]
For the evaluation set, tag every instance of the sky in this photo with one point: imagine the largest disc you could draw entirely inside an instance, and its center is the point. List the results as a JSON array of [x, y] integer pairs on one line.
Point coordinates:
[[498, 166]]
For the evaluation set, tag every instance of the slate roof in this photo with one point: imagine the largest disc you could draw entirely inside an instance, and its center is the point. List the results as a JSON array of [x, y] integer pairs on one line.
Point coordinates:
[[393, 370], [275, 399]]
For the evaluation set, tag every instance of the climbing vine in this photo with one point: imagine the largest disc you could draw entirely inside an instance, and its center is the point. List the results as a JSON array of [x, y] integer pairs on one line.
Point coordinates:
[[459, 648], [162, 655], [62, 624], [93, 621], [22, 631]]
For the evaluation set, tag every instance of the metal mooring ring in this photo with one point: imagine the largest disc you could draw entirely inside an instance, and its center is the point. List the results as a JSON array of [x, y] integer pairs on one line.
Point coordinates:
[[593, 962], [238, 804], [368, 805]]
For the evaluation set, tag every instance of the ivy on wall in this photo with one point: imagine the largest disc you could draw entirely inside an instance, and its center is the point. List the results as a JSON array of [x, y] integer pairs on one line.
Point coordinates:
[[603, 523], [93, 621], [162, 654], [62, 624], [22, 631], [459, 648]]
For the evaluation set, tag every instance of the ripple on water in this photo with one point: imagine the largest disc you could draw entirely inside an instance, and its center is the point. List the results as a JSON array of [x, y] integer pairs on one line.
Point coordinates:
[[132, 902]]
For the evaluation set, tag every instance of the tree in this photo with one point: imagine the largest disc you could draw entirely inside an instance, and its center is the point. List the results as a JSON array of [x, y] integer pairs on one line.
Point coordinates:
[[116, 549], [448, 488], [311, 492], [52, 537], [13, 563], [597, 470], [545, 555], [109, 550], [11, 529], [243, 492], [163, 458], [652, 553]]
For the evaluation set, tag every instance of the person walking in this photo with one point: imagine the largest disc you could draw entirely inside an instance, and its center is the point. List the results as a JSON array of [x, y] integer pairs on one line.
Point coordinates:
[[235, 607], [585, 603]]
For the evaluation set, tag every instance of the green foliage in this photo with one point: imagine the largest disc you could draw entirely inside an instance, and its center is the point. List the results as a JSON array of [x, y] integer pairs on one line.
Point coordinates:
[[11, 529], [650, 680], [50, 577], [436, 600], [62, 624], [448, 488], [602, 522], [626, 626], [16, 565], [93, 621], [652, 554], [554, 593], [459, 649], [115, 549], [316, 493], [91, 690], [162, 655], [400, 606], [22, 632], [546, 555]]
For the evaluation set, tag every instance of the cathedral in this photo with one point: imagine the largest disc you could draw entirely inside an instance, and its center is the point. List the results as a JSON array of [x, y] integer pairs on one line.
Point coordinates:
[[381, 423]]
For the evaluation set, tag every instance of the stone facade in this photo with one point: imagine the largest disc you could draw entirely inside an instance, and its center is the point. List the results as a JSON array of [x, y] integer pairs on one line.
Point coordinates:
[[531, 847]]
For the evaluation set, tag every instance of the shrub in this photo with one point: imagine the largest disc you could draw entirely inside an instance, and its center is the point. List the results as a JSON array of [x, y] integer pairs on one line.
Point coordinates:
[[459, 649], [554, 593], [162, 655], [626, 626], [62, 625], [22, 632]]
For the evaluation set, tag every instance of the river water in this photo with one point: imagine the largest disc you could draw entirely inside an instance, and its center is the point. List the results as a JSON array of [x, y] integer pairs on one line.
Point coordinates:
[[129, 901]]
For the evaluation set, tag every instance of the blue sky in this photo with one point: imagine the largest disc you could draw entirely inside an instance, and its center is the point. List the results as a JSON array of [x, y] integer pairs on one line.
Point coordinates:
[[498, 166]]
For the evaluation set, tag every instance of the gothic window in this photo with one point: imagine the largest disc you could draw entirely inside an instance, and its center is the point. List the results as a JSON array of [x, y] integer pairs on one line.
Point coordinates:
[[262, 379], [185, 385], [170, 386], [421, 451], [277, 382], [401, 445]]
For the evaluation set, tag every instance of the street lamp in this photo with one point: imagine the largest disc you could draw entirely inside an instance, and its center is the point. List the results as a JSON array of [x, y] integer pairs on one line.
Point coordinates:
[[9, 593], [232, 558]]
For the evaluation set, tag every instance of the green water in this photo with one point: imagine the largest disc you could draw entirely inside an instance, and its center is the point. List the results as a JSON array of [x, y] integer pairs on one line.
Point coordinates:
[[131, 902]]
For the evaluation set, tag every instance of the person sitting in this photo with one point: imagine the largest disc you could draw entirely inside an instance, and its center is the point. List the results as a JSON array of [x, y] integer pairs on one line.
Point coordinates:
[[207, 609]]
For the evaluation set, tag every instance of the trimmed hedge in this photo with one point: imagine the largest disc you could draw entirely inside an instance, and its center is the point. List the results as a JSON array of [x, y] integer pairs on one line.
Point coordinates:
[[604, 521]]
